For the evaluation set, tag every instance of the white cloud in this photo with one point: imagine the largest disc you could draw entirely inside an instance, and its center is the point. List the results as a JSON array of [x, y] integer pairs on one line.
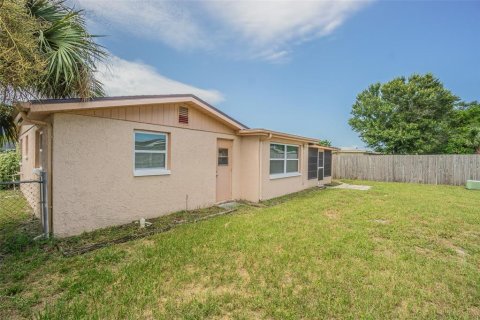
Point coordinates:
[[168, 21], [255, 29], [274, 56], [275, 23], [121, 77]]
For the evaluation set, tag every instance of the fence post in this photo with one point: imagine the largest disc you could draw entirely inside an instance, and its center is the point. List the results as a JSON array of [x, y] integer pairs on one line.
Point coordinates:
[[44, 203]]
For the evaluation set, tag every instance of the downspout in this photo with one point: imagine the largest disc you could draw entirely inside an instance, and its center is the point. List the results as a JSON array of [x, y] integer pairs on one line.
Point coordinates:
[[260, 164], [50, 174]]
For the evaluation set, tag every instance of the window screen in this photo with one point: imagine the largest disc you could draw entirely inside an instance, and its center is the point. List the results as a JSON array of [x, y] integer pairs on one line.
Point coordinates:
[[312, 163], [150, 151], [321, 168], [38, 149], [283, 158], [320, 173], [328, 163]]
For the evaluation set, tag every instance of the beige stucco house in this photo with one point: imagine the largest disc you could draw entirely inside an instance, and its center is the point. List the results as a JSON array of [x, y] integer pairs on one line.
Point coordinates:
[[111, 161]]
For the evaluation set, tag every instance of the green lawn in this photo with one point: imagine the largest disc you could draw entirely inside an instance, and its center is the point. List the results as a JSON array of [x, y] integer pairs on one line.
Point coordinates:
[[13, 208], [396, 251], [17, 224]]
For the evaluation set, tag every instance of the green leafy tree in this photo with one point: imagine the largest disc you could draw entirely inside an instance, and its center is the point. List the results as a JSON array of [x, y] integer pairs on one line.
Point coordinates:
[[325, 143], [21, 62], [46, 52], [9, 165], [465, 124], [405, 116]]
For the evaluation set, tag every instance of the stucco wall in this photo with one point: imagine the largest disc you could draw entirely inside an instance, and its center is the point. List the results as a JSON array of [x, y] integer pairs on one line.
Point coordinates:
[[27, 164], [93, 181], [92, 168], [250, 169]]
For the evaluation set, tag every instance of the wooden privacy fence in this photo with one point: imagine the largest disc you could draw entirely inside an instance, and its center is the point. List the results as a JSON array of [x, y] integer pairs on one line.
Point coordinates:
[[431, 169]]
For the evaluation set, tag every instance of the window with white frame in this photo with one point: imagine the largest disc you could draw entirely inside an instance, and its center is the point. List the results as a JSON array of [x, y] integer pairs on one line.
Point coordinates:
[[150, 153], [283, 159]]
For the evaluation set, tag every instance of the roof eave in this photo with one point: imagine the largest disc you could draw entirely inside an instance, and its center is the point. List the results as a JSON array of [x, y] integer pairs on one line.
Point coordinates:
[[52, 106], [282, 135]]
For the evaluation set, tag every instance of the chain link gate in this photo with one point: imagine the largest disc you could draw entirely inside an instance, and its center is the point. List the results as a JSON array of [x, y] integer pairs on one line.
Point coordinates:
[[24, 202]]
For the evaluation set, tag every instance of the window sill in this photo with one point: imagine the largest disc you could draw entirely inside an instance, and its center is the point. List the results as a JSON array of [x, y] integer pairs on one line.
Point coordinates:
[[284, 175], [143, 173]]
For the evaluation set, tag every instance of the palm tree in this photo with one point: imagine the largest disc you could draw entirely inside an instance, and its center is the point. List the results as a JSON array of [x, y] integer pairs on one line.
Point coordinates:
[[70, 54], [8, 131]]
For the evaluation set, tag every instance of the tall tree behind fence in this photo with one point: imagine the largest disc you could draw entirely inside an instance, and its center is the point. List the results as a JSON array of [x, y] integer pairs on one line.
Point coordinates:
[[431, 169]]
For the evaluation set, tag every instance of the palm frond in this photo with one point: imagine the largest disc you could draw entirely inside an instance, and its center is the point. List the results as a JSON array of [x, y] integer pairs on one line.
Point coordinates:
[[8, 130], [71, 52]]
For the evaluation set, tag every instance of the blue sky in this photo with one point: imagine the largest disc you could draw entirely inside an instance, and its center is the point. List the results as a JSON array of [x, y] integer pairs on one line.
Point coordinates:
[[291, 66]]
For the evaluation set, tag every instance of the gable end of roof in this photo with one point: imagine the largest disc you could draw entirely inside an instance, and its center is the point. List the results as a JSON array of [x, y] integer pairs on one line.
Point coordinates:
[[57, 105]]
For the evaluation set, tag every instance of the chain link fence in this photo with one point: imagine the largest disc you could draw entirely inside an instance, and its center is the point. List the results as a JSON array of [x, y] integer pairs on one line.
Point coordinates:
[[20, 213]]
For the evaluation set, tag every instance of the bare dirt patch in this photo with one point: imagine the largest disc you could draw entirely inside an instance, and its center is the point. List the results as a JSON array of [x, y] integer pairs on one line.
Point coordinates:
[[424, 251], [244, 274], [450, 245], [199, 290], [385, 252], [332, 214]]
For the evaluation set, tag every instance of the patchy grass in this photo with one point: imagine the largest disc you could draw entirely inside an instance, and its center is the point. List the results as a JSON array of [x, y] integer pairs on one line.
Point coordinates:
[[17, 224], [288, 197], [14, 209], [132, 230], [395, 251]]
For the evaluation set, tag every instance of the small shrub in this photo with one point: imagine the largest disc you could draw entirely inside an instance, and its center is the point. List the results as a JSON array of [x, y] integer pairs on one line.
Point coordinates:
[[9, 165]]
